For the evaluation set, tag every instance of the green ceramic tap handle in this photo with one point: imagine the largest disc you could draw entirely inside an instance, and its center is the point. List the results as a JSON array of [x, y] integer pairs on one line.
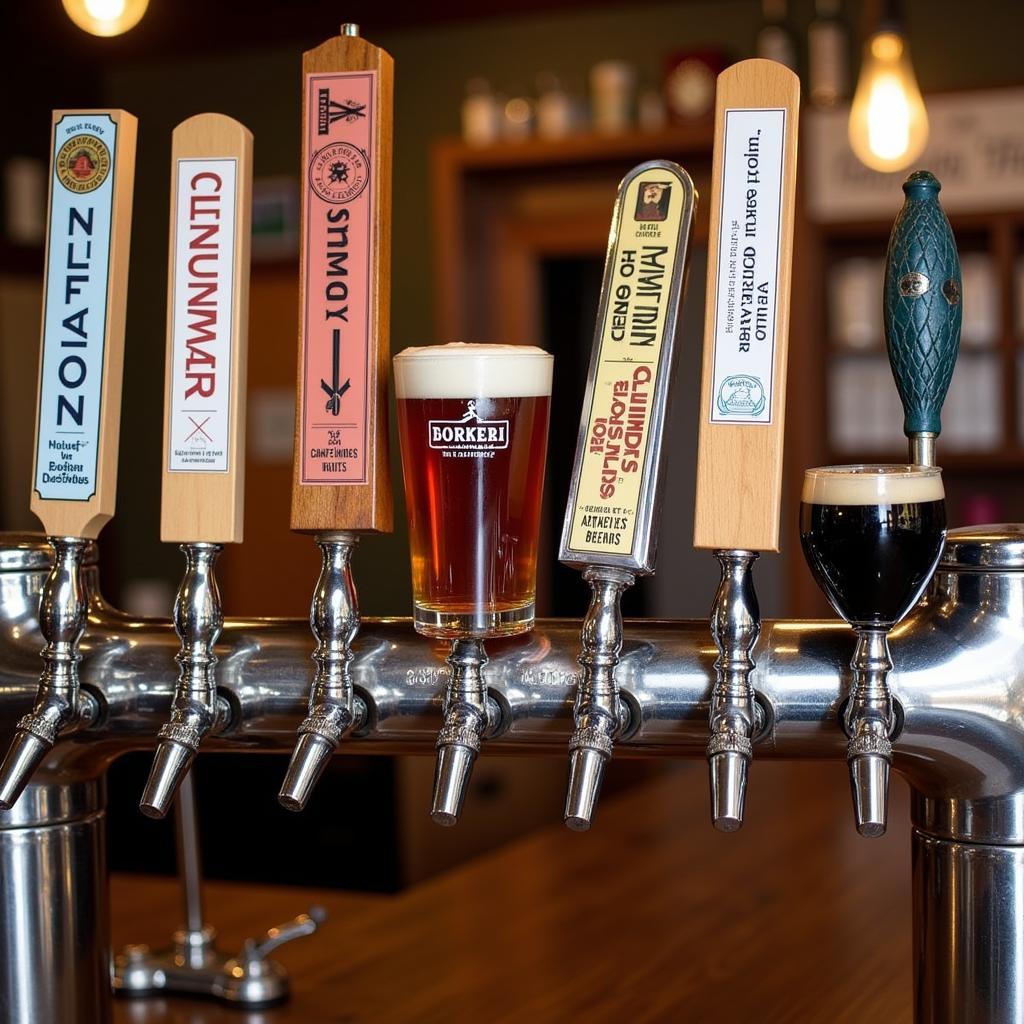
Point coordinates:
[[922, 309]]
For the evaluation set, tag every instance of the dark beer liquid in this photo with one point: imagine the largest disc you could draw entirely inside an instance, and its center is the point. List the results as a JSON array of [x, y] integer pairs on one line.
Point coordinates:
[[873, 561], [474, 510]]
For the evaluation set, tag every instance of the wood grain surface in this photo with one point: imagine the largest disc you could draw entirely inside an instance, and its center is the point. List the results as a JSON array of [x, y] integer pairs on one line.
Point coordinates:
[[210, 506], [739, 466], [652, 916], [366, 506], [87, 518]]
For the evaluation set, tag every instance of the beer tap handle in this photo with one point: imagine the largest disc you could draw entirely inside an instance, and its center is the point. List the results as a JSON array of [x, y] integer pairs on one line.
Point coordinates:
[[922, 317], [613, 513], [743, 393], [341, 485], [92, 163], [204, 418], [922, 311]]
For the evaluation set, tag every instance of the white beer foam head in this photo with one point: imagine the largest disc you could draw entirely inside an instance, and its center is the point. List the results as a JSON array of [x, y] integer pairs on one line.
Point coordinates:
[[473, 371], [872, 485]]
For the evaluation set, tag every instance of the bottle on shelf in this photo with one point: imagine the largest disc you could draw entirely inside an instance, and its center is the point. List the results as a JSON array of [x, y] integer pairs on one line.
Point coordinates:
[[481, 113], [554, 109], [775, 40], [828, 55]]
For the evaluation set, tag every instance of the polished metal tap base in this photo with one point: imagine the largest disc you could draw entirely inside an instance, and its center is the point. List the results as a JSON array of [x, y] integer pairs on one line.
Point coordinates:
[[869, 722], [469, 715], [198, 620], [599, 715], [60, 706], [193, 966], [957, 687], [735, 627], [333, 709]]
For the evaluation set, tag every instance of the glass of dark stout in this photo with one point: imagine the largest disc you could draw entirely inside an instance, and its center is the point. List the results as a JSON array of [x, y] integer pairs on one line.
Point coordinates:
[[872, 536]]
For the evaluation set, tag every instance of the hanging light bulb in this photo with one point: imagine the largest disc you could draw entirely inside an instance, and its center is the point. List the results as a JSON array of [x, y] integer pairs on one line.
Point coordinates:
[[888, 122], [105, 17]]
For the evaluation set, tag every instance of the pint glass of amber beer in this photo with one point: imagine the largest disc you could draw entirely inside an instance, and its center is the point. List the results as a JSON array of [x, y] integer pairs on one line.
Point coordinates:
[[473, 427]]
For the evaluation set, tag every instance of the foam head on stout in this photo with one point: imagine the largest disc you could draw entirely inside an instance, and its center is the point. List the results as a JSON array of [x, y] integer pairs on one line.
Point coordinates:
[[473, 424], [872, 536]]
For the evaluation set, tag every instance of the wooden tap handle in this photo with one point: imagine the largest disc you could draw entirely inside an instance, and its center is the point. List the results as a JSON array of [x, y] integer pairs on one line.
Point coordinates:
[[81, 358], [207, 331], [746, 325], [341, 475]]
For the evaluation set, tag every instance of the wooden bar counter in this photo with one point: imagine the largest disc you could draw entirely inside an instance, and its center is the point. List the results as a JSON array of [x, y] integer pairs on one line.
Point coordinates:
[[652, 916]]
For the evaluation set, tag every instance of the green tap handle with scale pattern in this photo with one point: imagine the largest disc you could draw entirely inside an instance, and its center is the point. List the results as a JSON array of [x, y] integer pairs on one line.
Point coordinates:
[[922, 311]]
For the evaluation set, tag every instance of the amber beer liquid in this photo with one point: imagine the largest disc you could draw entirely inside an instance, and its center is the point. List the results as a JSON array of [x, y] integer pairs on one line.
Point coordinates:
[[473, 427]]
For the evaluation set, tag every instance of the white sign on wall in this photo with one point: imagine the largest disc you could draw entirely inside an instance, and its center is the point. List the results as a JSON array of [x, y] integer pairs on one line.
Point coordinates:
[[975, 148]]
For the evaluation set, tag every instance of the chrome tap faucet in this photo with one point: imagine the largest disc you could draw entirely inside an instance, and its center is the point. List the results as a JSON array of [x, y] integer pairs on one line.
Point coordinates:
[[470, 715], [613, 511], [735, 628], [869, 721], [334, 710], [61, 705], [600, 715], [196, 709]]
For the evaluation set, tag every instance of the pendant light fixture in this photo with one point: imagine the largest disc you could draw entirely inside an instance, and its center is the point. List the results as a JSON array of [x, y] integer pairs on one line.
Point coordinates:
[[888, 122]]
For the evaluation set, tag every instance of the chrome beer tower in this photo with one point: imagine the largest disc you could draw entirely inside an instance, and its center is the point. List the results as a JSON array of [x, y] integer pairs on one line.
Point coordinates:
[[958, 676], [957, 666], [614, 547]]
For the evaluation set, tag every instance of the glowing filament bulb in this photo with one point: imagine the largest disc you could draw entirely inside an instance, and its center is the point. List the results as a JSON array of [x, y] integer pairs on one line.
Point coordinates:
[[888, 122], [105, 17]]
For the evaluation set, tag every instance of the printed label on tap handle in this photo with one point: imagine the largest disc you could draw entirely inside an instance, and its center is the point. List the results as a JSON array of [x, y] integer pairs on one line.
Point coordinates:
[[201, 312], [336, 318], [746, 291], [75, 310]]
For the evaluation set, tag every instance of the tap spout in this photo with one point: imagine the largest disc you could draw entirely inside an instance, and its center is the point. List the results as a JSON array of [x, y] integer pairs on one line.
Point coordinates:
[[735, 627], [469, 716], [196, 709], [869, 722], [599, 714], [61, 707], [334, 710]]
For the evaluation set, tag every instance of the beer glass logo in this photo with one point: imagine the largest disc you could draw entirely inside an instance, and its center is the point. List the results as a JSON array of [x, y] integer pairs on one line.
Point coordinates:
[[469, 436], [741, 395]]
